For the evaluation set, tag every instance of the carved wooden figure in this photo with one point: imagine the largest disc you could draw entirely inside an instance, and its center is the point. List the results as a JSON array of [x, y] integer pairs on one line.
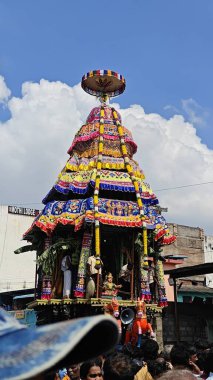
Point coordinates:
[[139, 326]]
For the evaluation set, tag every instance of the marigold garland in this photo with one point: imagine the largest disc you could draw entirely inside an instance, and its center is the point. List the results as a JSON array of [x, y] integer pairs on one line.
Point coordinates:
[[97, 187], [135, 183], [105, 165], [162, 300]]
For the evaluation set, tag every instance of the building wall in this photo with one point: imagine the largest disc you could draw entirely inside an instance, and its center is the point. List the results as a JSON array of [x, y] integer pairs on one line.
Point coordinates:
[[190, 243], [208, 252], [195, 323], [170, 264], [16, 271]]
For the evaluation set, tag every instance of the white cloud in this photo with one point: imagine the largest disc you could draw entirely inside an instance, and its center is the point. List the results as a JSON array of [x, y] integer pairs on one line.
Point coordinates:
[[171, 155], [43, 122], [194, 112], [173, 109], [4, 90], [35, 139]]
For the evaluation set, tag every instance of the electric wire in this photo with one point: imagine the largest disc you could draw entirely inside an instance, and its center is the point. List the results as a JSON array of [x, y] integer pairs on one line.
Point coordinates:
[[184, 186]]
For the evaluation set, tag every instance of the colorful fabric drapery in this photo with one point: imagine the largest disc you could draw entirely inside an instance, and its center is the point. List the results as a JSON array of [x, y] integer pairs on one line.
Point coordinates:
[[162, 299], [90, 132], [111, 180], [110, 211], [102, 184], [76, 163], [80, 288]]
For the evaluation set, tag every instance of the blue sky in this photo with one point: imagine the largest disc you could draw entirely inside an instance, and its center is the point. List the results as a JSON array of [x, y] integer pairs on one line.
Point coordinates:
[[164, 50], [162, 47]]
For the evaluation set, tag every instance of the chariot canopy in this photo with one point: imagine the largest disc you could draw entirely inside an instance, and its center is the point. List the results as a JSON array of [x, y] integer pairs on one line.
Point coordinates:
[[101, 206]]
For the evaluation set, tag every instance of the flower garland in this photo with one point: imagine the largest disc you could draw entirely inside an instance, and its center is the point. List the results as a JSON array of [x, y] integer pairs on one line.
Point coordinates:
[[159, 272], [135, 184], [145, 291], [97, 187], [80, 288], [90, 164]]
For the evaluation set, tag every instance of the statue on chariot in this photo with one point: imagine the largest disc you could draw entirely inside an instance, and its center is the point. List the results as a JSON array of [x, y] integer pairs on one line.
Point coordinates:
[[101, 232]]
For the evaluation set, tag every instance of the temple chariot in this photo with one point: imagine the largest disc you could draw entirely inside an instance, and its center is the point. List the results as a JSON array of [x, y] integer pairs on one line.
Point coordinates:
[[100, 235]]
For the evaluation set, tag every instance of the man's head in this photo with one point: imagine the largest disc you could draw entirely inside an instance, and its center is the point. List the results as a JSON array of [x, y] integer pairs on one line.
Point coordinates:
[[192, 353], [208, 363], [119, 367], [150, 349], [74, 371], [180, 356], [157, 367], [178, 374], [33, 353]]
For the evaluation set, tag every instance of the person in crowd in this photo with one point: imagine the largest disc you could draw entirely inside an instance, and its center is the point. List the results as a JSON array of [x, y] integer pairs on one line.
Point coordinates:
[[180, 356], [178, 374], [201, 363], [157, 367], [136, 354], [119, 367], [74, 372], [165, 354], [193, 360], [36, 353], [145, 356], [91, 369], [183, 356], [202, 348], [143, 373], [208, 365], [150, 349]]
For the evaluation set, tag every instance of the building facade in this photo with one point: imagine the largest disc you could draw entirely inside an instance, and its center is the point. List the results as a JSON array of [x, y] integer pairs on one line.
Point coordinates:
[[16, 271], [189, 243], [208, 253], [195, 297]]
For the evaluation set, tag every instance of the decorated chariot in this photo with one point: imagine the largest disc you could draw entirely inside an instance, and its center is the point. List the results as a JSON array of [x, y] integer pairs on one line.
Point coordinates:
[[100, 234]]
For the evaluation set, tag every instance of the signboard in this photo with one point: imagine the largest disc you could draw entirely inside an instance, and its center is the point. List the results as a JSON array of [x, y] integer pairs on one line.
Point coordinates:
[[22, 211]]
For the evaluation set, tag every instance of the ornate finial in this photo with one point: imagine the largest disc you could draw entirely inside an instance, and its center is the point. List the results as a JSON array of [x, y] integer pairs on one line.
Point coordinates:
[[103, 99], [103, 83]]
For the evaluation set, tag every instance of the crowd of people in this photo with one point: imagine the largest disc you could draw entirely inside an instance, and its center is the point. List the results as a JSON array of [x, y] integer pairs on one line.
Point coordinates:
[[180, 361], [50, 352]]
